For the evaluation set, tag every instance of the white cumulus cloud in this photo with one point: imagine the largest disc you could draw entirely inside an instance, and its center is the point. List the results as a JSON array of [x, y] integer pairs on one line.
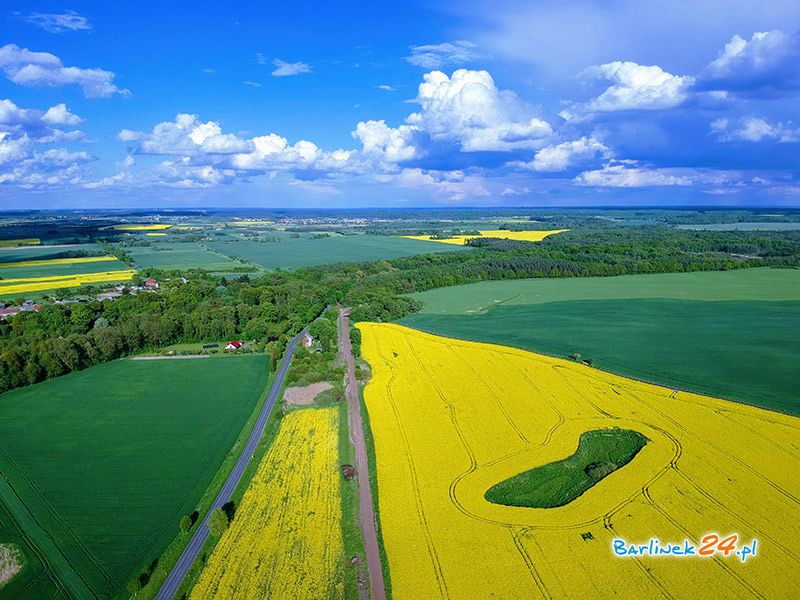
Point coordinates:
[[754, 129], [633, 87], [42, 69], [560, 157]]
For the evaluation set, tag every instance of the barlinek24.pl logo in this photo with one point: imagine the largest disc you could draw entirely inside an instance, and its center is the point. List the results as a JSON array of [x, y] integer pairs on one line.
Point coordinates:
[[710, 545]]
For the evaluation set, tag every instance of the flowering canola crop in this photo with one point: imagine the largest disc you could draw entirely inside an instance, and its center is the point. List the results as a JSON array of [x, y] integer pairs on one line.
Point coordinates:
[[519, 236], [285, 540], [139, 227], [452, 418], [54, 282]]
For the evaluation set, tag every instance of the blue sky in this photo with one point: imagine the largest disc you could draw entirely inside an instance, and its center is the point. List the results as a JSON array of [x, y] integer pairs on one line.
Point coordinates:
[[158, 104]]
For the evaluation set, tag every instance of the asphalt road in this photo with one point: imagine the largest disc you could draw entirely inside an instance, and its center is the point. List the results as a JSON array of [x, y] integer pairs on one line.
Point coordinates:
[[173, 581]]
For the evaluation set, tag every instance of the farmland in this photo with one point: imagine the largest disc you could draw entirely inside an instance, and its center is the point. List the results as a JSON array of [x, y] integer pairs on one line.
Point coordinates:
[[306, 251], [181, 255], [99, 466], [728, 334], [504, 234], [24, 285], [285, 540], [453, 418]]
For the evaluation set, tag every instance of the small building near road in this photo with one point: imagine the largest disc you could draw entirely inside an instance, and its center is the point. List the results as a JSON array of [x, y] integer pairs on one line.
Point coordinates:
[[306, 340], [233, 345], [8, 312]]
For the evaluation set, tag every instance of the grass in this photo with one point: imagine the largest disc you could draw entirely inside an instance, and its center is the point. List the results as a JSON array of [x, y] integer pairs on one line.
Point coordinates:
[[180, 255], [108, 460], [725, 334], [599, 453], [8, 255], [304, 251]]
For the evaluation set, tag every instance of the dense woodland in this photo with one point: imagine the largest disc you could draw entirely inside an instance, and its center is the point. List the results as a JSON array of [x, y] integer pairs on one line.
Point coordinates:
[[64, 338]]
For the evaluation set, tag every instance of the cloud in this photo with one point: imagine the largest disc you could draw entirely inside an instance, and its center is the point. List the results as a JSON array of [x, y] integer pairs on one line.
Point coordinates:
[[285, 69], [32, 169], [59, 22], [768, 61], [634, 87], [42, 69], [386, 88], [560, 157], [186, 135], [754, 129], [201, 155], [627, 174], [389, 144], [254, 84], [469, 109], [454, 186], [37, 125], [435, 56]]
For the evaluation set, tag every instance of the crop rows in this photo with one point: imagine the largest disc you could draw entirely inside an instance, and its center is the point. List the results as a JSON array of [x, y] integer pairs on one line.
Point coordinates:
[[285, 540], [453, 418]]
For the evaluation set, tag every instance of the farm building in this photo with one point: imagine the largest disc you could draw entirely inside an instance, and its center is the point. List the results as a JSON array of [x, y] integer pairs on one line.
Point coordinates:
[[151, 284], [306, 340], [233, 345]]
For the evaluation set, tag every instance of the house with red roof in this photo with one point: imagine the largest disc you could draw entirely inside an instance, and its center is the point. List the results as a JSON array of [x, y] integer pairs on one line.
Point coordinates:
[[233, 345]]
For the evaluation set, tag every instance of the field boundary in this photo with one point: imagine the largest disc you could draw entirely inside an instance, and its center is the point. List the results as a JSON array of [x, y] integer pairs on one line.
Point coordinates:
[[170, 586]]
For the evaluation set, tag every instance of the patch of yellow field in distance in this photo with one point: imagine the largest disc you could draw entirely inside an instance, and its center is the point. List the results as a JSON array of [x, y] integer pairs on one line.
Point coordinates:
[[57, 261], [285, 540], [520, 236], [155, 234], [451, 418], [40, 284], [139, 227], [20, 242]]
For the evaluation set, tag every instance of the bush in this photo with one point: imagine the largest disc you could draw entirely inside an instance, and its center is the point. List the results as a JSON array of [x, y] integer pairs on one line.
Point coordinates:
[[218, 522]]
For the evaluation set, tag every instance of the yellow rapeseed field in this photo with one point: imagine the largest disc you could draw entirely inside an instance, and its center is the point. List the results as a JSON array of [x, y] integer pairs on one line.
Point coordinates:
[[452, 418], [38, 284], [285, 540], [156, 234], [56, 261], [520, 236], [20, 242]]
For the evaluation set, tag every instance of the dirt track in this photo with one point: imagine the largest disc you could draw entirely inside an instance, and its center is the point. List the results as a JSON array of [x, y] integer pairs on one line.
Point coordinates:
[[366, 513]]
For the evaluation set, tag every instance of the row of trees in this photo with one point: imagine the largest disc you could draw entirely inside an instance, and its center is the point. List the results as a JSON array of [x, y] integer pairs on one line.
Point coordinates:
[[65, 338]]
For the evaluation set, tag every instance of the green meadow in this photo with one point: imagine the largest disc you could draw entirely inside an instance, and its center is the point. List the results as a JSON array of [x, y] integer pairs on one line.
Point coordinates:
[[306, 251], [99, 466], [727, 334]]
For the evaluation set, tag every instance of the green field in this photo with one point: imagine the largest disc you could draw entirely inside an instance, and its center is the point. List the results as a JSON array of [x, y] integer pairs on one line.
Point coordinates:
[[180, 255], [727, 334], [99, 466], [294, 253], [599, 453], [8, 255]]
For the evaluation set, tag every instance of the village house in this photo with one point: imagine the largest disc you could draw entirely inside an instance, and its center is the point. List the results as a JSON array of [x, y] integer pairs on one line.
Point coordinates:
[[151, 284], [233, 345], [306, 340]]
